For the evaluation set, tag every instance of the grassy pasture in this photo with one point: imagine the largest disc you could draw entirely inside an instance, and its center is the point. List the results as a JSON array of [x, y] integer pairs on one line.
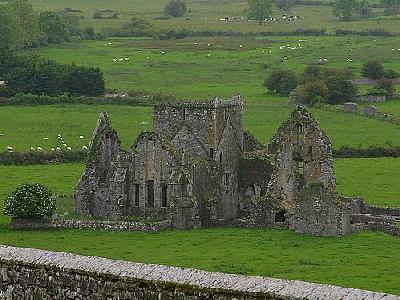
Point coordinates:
[[363, 260], [187, 71], [205, 15], [25, 127], [197, 70]]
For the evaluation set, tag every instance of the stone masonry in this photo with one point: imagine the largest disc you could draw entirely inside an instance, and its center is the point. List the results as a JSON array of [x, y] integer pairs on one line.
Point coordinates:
[[44, 275], [198, 168]]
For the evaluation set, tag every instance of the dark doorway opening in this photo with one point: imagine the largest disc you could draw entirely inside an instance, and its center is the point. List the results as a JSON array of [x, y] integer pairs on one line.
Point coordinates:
[[280, 216]]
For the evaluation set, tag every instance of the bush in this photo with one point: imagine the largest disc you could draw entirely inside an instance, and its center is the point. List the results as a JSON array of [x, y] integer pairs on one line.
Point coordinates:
[[373, 70], [386, 86], [281, 82], [30, 201], [175, 8], [86, 81], [341, 90], [391, 74], [138, 27], [310, 93]]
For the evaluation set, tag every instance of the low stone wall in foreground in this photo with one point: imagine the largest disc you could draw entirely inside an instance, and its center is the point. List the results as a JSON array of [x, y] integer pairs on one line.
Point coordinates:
[[89, 224], [38, 274]]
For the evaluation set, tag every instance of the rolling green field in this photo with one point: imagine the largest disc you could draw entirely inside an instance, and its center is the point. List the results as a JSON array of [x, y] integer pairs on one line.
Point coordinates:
[[193, 71], [25, 127], [363, 260], [205, 15], [187, 71]]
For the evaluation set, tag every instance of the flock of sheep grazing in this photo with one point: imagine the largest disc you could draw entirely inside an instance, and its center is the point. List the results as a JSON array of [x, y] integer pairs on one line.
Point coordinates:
[[283, 18], [39, 148]]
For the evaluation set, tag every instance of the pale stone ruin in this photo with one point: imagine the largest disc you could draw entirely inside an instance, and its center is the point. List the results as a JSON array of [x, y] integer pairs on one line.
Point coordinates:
[[198, 168], [371, 110], [350, 107]]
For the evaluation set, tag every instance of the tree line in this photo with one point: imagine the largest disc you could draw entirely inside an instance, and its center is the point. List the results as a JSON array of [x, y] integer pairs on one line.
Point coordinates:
[[36, 75], [21, 26], [319, 85]]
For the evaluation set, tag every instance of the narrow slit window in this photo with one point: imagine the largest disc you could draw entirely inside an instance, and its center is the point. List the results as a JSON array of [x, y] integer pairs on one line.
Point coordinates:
[[300, 131], [301, 168], [150, 193], [184, 114], [137, 195], [212, 152], [164, 195], [220, 157], [227, 179]]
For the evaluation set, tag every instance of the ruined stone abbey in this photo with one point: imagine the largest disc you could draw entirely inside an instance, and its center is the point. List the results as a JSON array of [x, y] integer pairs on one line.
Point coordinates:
[[198, 168]]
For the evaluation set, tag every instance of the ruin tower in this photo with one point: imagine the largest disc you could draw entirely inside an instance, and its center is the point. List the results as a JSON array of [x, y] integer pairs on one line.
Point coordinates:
[[210, 130]]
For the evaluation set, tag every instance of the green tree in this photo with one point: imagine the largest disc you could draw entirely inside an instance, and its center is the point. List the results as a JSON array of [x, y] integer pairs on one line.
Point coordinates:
[[87, 81], [259, 10], [281, 82], [373, 69], [54, 27], [9, 32], [387, 86], [175, 8], [310, 93], [341, 90], [27, 20], [346, 10]]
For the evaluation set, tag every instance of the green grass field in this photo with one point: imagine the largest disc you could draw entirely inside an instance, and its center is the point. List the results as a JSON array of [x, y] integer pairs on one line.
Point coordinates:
[[205, 15], [187, 71], [25, 127], [361, 260]]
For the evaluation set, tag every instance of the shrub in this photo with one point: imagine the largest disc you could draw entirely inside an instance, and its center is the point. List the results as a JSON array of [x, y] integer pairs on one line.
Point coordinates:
[[87, 81], [281, 82], [340, 89], [310, 93], [312, 73], [373, 70], [30, 201], [138, 27], [391, 74], [175, 8], [387, 86]]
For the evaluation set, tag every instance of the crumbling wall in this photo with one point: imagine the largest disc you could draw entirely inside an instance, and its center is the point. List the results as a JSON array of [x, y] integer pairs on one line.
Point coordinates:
[[92, 192], [320, 212], [303, 160]]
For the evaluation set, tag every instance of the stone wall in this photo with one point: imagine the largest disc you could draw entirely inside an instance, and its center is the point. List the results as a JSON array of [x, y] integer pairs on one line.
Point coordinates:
[[38, 274], [90, 224]]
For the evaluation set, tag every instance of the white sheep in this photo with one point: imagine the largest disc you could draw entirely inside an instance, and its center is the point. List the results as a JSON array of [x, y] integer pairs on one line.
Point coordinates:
[[40, 148]]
